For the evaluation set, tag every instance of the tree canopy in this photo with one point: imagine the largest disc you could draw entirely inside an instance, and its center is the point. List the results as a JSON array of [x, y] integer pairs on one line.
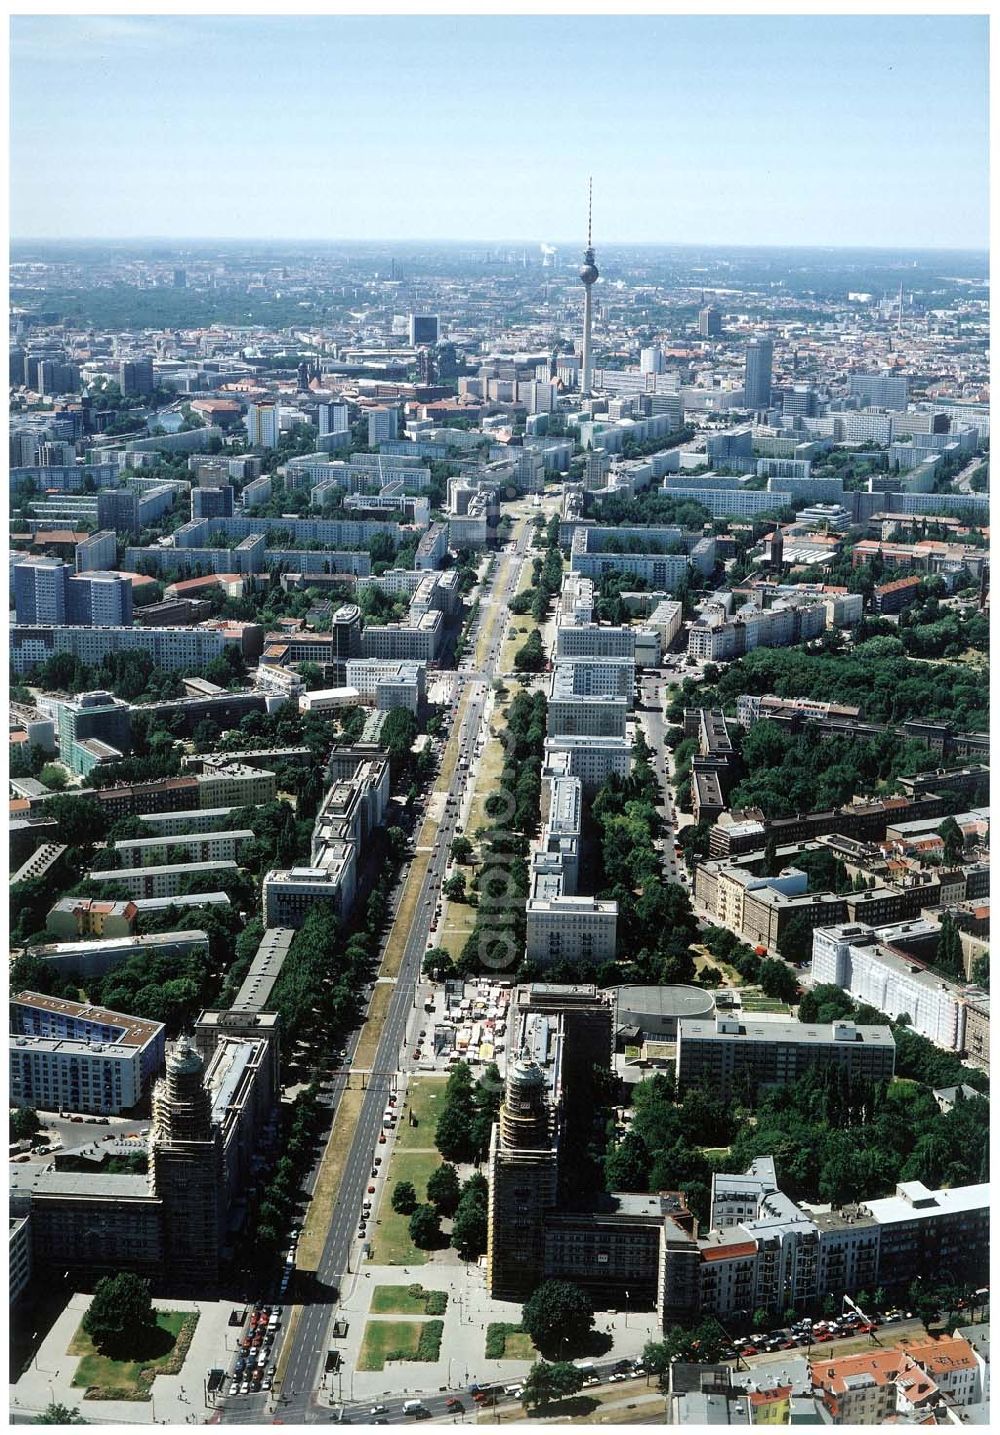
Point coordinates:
[[120, 1313], [559, 1317]]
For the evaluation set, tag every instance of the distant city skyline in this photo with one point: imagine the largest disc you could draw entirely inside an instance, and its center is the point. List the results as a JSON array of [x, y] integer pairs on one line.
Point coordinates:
[[790, 131]]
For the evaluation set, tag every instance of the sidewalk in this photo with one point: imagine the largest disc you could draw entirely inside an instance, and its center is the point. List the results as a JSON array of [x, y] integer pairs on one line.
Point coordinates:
[[463, 1343], [175, 1399]]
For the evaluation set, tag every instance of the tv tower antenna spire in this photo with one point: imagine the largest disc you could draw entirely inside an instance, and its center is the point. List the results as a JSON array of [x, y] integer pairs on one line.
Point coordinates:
[[589, 275]]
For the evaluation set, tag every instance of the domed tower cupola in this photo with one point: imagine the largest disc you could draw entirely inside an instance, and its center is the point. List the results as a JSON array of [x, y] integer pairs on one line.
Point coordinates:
[[524, 1115]]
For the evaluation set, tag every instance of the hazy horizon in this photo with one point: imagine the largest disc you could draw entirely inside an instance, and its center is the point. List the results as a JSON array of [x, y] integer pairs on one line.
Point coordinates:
[[533, 244], [708, 131]]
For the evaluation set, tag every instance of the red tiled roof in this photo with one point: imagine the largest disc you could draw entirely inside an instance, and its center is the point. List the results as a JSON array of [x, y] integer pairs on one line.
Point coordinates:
[[729, 1253]]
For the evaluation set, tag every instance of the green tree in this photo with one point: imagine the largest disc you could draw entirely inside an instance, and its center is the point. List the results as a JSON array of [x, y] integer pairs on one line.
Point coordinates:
[[954, 843], [558, 1316], [948, 957], [454, 888], [530, 656], [469, 1228], [24, 1123], [981, 971], [443, 1189], [53, 777], [627, 1165], [760, 1318], [778, 981], [461, 849], [404, 1198], [795, 942], [425, 1228], [120, 1314], [55, 1414], [545, 1383]]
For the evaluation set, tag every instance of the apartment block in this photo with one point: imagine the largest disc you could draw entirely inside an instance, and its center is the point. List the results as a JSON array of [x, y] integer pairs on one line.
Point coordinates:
[[581, 930], [71, 1055], [592, 759], [212, 846], [730, 1052], [163, 881]]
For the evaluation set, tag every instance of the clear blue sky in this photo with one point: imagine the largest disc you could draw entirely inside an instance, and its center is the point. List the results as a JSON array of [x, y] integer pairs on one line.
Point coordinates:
[[717, 130]]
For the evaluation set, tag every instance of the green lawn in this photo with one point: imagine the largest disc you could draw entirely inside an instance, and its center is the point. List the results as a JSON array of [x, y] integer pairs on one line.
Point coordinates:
[[505, 1341], [391, 1244], [107, 1379], [752, 1001], [424, 1097], [399, 1340], [403, 1300]]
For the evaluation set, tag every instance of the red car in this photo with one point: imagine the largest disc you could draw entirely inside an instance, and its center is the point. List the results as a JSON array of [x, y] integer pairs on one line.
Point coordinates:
[[371, 1190], [455, 1405]]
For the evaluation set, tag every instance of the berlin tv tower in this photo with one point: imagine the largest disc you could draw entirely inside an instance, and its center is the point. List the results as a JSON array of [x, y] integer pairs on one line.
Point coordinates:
[[589, 275]]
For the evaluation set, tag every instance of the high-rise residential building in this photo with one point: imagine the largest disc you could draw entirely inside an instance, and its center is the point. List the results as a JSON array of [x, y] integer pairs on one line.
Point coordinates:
[[383, 424], [57, 377], [263, 425], [99, 600], [91, 727], [40, 590], [880, 391], [217, 502], [332, 418], [180, 279], [97, 553], [23, 448], [118, 509], [757, 374], [56, 453], [46, 590], [423, 329], [136, 377], [651, 360], [709, 322]]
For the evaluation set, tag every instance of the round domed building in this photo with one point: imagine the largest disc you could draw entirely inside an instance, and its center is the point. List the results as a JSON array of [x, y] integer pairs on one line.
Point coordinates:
[[652, 1013]]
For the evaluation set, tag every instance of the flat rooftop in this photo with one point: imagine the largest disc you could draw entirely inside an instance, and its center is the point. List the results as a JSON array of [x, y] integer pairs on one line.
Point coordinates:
[[782, 1032], [129, 1030], [913, 1200]]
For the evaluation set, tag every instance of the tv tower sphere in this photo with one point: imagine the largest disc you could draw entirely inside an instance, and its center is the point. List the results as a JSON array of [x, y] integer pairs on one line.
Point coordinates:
[[589, 271]]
